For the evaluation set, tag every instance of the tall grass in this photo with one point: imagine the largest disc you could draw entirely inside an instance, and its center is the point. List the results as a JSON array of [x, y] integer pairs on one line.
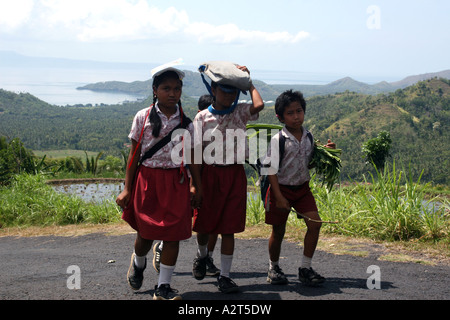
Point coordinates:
[[386, 206], [28, 201], [255, 206]]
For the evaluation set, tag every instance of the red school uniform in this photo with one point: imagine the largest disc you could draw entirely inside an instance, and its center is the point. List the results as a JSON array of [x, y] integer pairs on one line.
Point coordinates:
[[224, 204], [152, 210]]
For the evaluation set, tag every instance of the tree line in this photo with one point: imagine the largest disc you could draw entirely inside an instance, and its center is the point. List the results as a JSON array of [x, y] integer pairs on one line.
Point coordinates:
[[416, 118]]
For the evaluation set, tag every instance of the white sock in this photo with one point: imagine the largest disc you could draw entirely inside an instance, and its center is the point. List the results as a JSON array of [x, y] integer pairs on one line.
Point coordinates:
[[272, 264], [165, 274], [225, 265], [210, 253], [306, 262], [161, 245], [202, 251], [139, 261]]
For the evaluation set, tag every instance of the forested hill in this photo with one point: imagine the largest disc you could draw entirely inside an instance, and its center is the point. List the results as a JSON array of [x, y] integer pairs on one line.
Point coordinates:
[[193, 86], [417, 118], [42, 126]]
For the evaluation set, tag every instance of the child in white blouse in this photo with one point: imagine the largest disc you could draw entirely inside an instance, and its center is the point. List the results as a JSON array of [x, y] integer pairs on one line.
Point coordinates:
[[148, 197], [223, 188]]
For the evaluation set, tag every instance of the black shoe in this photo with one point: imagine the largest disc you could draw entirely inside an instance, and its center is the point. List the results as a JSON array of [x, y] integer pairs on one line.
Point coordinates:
[[199, 268], [309, 277], [211, 269], [135, 275], [276, 276], [165, 292], [226, 285], [156, 256]]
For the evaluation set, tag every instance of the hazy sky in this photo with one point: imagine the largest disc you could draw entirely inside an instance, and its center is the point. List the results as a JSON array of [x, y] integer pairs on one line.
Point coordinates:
[[387, 39]]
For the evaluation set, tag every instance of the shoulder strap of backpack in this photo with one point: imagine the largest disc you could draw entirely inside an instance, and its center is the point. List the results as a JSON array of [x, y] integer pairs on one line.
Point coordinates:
[[150, 153], [310, 136], [140, 137], [282, 144]]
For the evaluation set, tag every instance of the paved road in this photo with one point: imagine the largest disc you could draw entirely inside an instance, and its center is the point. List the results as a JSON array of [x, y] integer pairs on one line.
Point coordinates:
[[37, 268]]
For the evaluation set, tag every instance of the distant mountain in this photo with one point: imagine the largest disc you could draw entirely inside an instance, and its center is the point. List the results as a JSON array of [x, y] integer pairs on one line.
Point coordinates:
[[408, 81], [194, 87], [349, 84], [417, 118]]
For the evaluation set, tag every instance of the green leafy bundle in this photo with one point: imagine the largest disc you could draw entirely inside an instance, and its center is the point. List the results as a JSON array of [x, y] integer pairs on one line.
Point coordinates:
[[325, 161], [327, 164]]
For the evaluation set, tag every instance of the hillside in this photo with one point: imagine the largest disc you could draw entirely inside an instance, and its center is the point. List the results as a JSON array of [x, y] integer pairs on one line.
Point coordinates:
[[417, 118], [42, 126], [193, 86]]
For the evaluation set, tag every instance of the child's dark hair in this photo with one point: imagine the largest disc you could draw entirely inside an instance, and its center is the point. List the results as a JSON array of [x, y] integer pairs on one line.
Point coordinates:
[[286, 98], [205, 101], [155, 120]]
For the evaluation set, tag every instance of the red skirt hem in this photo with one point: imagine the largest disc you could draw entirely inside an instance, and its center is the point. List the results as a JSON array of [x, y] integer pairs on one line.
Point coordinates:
[[224, 205], [159, 208]]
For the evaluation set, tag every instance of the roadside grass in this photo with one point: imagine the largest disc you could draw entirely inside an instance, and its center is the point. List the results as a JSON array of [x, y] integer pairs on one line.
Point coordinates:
[[30, 201], [387, 209]]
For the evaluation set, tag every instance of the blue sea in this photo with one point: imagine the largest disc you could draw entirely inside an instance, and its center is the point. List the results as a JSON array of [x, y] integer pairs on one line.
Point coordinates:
[[57, 85]]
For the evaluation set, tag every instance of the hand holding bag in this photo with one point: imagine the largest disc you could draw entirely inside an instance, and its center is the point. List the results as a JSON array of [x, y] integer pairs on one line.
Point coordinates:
[[226, 73]]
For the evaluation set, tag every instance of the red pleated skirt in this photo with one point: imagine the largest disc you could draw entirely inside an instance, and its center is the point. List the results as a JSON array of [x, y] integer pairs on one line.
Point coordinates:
[[160, 208], [224, 204]]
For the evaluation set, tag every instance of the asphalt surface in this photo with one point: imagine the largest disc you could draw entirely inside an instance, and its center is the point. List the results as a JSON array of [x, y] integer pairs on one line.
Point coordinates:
[[41, 268]]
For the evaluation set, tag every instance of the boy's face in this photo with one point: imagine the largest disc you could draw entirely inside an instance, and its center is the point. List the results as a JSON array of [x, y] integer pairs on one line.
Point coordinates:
[[293, 116]]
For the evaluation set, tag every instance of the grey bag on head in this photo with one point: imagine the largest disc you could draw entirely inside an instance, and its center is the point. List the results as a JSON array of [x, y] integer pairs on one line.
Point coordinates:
[[226, 73]]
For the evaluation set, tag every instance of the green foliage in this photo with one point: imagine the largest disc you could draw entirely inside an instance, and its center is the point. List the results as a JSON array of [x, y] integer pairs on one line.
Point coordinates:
[[29, 201], [92, 163], [16, 159], [389, 206], [258, 131], [41, 126], [327, 164], [377, 149], [417, 118], [255, 206]]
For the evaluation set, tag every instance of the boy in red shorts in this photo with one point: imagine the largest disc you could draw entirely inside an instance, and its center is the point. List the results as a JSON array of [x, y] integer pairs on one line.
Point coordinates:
[[223, 188], [289, 187]]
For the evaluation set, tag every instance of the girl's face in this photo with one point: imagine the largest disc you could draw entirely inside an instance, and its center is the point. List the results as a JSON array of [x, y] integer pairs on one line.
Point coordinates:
[[224, 100], [293, 116], [168, 92]]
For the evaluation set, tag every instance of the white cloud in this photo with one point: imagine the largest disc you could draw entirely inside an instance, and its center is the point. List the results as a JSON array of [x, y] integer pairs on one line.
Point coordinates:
[[122, 20], [14, 14], [230, 33]]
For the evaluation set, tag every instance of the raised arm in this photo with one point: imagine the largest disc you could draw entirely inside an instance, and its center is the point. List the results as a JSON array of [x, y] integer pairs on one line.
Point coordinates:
[[258, 103]]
